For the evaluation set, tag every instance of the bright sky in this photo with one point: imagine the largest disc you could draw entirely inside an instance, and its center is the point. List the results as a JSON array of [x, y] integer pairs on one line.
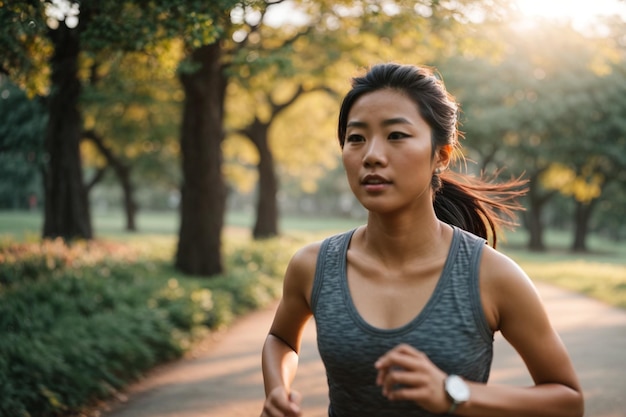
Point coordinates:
[[580, 12]]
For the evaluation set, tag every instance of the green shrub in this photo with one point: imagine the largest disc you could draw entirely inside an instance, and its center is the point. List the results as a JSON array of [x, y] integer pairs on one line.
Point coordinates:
[[80, 322]]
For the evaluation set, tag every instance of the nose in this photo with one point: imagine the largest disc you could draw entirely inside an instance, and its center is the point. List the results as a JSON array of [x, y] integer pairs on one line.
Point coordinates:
[[375, 153]]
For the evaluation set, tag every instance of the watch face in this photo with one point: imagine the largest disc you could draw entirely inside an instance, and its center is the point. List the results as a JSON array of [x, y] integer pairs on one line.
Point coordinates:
[[457, 389]]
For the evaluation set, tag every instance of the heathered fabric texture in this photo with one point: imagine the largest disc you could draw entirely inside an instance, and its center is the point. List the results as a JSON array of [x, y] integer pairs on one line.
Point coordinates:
[[451, 329]]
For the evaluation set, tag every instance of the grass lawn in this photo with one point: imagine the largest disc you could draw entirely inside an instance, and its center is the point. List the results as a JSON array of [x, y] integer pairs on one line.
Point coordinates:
[[600, 274]]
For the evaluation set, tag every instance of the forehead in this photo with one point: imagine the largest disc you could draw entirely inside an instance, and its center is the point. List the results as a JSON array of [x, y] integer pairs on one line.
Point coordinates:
[[384, 104]]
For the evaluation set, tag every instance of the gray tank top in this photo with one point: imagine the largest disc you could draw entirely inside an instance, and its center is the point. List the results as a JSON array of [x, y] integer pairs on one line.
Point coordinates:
[[451, 329]]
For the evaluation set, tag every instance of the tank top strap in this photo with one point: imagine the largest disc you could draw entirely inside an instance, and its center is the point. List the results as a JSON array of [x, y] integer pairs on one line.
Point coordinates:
[[331, 258]]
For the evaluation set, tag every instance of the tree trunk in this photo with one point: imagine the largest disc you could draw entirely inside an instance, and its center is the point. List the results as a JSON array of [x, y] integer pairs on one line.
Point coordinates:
[[123, 173], [66, 212], [130, 207], [266, 224], [535, 229], [581, 225], [534, 223], [203, 192]]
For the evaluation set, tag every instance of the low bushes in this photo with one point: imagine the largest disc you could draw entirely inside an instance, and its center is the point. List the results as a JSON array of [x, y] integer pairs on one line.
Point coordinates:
[[78, 323]]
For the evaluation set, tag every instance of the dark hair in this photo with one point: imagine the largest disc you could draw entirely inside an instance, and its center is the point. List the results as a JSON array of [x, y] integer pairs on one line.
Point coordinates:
[[470, 203]]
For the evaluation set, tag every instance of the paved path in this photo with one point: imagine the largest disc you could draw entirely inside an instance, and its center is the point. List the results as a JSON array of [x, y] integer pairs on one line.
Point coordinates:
[[223, 378]]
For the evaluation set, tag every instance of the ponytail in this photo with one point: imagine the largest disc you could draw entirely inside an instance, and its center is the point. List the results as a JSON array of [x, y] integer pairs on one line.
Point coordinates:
[[476, 205]]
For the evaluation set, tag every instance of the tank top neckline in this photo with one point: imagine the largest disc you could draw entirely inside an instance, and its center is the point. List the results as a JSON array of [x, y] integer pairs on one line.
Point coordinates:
[[422, 314]]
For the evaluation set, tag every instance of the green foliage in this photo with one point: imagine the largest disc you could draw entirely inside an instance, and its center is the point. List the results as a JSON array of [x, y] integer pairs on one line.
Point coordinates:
[[133, 105], [22, 39], [104, 27], [548, 104], [548, 95], [80, 322], [22, 127]]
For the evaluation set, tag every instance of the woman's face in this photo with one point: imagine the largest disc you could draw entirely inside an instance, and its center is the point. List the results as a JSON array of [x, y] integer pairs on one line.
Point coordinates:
[[387, 152]]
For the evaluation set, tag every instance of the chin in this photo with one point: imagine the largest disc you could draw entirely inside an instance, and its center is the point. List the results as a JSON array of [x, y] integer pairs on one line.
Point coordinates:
[[374, 207]]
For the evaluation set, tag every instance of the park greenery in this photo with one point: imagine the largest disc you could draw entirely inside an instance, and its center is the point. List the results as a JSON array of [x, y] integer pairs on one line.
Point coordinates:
[[195, 104], [80, 322], [217, 117]]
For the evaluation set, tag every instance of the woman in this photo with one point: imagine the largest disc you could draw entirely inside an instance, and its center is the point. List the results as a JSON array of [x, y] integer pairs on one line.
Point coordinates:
[[406, 306]]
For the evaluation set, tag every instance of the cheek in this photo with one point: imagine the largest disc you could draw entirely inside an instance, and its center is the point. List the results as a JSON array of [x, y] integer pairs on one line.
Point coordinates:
[[349, 161], [351, 167]]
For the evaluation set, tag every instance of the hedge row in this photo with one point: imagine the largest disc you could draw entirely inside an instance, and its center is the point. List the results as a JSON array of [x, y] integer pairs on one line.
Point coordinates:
[[79, 323]]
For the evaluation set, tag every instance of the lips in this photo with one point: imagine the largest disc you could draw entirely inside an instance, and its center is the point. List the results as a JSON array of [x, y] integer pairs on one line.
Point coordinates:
[[373, 183], [373, 179]]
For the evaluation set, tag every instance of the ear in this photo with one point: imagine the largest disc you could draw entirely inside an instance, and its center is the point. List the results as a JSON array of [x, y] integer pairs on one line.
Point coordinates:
[[443, 157]]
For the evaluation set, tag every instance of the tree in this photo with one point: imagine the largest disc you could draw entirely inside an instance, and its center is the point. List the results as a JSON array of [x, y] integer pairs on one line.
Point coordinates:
[[596, 118], [66, 206], [203, 193], [544, 103], [96, 27], [131, 103], [205, 80], [320, 54], [122, 171], [56, 35], [583, 96]]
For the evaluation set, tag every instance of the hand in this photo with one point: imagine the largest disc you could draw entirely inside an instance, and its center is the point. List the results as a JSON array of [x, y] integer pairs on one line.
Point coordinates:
[[281, 404], [405, 373]]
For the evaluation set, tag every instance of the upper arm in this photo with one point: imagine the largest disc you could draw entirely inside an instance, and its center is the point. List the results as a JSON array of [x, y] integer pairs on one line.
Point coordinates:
[[294, 308], [515, 308]]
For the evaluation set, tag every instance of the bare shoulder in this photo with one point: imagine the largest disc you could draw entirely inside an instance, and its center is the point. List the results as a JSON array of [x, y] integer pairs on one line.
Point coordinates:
[[505, 288], [499, 269], [301, 269], [306, 256]]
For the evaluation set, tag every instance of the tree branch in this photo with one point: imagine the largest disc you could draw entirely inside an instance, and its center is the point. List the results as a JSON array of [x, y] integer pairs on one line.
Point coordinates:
[[278, 108], [96, 178], [108, 154]]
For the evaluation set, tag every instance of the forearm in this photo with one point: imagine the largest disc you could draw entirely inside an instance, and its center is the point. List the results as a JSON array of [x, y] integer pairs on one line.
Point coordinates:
[[279, 364], [554, 400]]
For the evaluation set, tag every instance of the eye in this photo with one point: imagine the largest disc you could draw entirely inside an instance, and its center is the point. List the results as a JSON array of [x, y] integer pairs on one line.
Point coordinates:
[[397, 135], [355, 138]]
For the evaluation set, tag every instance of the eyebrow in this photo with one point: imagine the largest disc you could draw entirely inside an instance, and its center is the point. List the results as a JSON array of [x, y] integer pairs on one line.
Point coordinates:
[[387, 122]]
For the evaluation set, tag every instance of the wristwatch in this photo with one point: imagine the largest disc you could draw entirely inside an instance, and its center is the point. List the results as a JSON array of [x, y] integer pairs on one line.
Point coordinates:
[[457, 390]]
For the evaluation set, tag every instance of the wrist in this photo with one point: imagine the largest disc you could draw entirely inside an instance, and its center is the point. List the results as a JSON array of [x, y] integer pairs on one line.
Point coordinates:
[[456, 390]]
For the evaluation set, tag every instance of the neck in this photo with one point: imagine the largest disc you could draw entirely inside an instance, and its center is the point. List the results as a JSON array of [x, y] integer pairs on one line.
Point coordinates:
[[397, 240]]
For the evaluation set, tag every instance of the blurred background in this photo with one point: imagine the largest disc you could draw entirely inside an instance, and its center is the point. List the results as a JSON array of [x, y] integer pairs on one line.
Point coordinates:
[[209, 115]]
